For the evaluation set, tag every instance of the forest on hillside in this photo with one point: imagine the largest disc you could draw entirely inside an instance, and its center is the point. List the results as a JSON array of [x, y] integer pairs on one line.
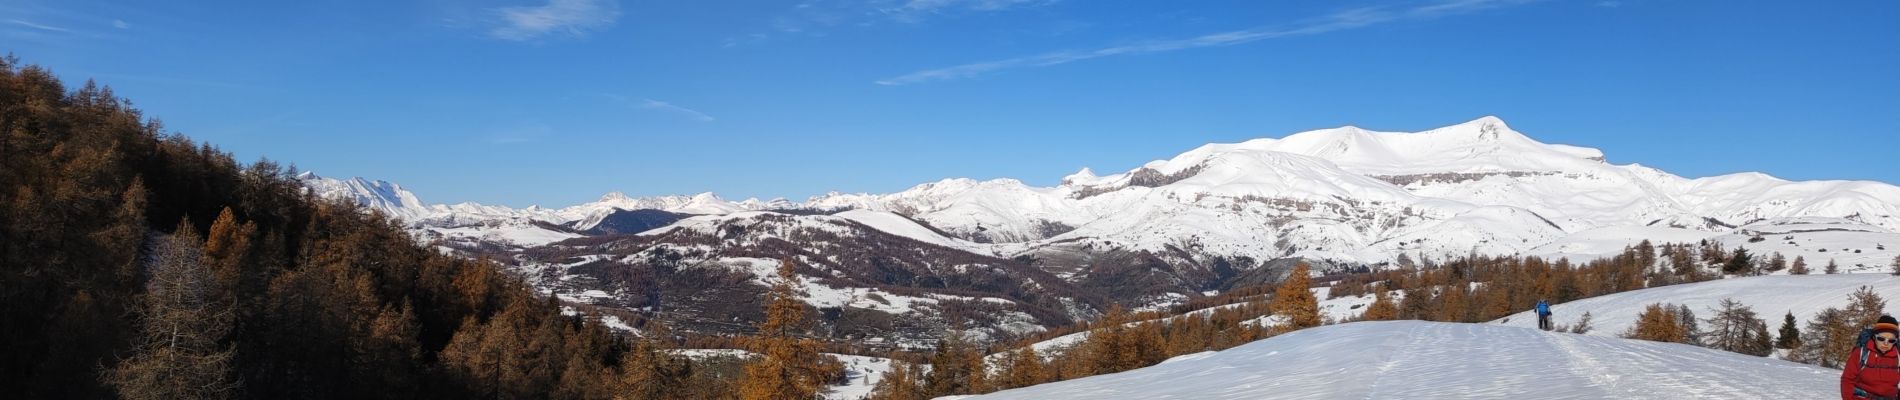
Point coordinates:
[[137, 263]]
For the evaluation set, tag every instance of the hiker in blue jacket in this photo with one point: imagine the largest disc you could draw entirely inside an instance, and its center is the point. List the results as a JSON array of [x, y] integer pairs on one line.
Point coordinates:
[[1543, 314]]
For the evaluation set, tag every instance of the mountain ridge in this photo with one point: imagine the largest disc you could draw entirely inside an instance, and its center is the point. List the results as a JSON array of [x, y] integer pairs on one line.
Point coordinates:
[[1342, 194]]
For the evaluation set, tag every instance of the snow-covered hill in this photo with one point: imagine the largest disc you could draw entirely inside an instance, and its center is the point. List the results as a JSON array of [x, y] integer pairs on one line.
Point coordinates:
[[1770, 296], [1431, 360]]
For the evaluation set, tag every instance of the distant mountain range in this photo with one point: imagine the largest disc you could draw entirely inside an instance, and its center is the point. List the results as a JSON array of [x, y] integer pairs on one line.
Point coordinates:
[[1212, 218]]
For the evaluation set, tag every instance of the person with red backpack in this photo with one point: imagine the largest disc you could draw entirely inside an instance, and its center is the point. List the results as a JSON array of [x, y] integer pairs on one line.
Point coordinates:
[[1873, 368]]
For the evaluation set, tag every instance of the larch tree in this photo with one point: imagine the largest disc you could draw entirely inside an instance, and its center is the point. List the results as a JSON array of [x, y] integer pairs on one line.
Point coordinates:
[[1658, 322], [1294, 300], [787, 366], [1864, 307], [1734, 327], [1022, 368], [905, 381], [1382, 308], [1828, 339], [178, 355], [1106, 350]]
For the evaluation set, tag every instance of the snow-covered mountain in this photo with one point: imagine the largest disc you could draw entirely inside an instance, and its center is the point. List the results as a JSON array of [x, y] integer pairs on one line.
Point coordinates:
[[382, 196], [1212, 218], [1344, 194], [1354, 195], [1433, 360]]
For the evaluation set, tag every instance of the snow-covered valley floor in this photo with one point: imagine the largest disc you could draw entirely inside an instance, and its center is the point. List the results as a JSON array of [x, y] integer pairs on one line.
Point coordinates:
[[1432, 360]]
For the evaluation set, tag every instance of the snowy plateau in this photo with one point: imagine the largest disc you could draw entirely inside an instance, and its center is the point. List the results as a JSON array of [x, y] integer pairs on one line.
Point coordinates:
[[1213, 218]]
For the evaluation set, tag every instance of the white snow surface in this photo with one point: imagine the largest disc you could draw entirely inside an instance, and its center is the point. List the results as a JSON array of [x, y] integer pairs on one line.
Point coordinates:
[[1433, 360], [861, 375], [1770, 296]]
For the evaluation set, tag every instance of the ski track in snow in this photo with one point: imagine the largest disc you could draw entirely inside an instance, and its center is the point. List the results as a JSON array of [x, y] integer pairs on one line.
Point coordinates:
[[1416, 359]]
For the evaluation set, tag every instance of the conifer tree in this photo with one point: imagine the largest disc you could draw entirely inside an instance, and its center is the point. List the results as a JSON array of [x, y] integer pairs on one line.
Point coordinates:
[[225, 248], [1828, 338], [787, 367], [1691, 331], [1454, 303], [179, 356], [1734, 327], [1864, 307], [1832, 267], [1146, 344], [1684, 263], [1658, 322], [1022, 368], [1106, 348], [646, 373], [956, 367], [1790, 337], [1895, 266], [1382, 308], [1777, 262], [903, 382], [1739, 263], [1416, 304], [1800, 266], [1583, 324], [1294, 300]]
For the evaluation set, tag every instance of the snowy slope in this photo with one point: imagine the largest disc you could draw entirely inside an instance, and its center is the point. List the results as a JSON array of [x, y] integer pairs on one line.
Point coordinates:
[[898, 225], [1430, 360], [1610, 241], [1769, 296]]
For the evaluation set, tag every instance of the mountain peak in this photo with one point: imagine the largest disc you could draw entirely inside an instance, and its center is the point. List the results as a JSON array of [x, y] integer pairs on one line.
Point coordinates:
[[1488, 128], [615, 196], [1085, 177]]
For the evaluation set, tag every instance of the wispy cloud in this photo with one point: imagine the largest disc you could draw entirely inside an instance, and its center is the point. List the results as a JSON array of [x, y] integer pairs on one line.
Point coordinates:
[[1609, 4], [47, 28], [119, 23], [573, 17], [656, 105], [1343, 20], [652, 104], [818, 17], [915, 10]]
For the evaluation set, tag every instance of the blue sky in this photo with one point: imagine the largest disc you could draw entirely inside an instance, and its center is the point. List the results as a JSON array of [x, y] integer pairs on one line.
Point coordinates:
[[556, 102]]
